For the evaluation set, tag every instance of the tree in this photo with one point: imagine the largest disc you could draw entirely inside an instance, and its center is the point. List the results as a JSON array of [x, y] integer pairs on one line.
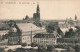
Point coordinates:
[[77, 48], [71, 30], [38, 24], [9, 50], [23, 19], [4, 37], [41, 49], [23, 44], [20, 50], [77, 27], [50, 28], [27, 17], [50, 48], [69, 34], [2, 50], [33, 44]]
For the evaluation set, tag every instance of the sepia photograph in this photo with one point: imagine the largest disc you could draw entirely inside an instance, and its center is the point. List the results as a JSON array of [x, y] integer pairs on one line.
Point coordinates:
[[39, 25]]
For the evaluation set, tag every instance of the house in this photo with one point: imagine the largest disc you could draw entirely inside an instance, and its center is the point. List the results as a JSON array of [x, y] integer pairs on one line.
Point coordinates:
[[28, 31], [45, 39], [23, 32], [68, 41], [14, 34], [14, 39]]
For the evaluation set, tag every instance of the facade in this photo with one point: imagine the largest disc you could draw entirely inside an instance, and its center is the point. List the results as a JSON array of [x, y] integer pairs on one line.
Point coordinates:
[[14, 40], [36, 16], [68, 41], [28, 32], [45, 39], [26, 38], [23, 33]]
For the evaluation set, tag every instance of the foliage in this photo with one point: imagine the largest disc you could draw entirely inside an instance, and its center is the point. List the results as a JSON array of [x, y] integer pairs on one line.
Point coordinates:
[[18, 33], [23, 44], [27, 17], [20, 50], [77, 27], [50, 28], [73, 34], [69, 34], [41, 49], [38, 24], [33, 44], [50, 48], [10, 50], [4, 36], [77, 48], [2, 50]]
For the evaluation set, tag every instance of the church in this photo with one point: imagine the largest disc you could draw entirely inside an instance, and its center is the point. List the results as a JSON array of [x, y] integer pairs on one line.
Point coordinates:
[[36, 16]]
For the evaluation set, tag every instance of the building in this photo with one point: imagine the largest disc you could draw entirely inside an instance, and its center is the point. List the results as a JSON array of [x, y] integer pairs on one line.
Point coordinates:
[[3, 33], [69, 22], [14, 34], [29, 30], [23, 33], [36, 16], [64, 30], [68, 41], [45, 39], [14, 40]]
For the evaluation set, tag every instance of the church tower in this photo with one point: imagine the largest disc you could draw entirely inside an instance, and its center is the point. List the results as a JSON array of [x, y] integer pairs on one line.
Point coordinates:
[[36, 16]]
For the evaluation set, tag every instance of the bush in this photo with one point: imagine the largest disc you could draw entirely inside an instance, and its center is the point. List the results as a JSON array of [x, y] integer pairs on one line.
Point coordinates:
[[20, 50], [23, 44], [2, 50], [33, 44], [9, 50]]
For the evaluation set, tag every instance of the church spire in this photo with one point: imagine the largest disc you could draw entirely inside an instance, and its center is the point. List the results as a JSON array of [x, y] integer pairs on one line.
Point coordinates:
[[36, 16], [38, 8], [75, 17]]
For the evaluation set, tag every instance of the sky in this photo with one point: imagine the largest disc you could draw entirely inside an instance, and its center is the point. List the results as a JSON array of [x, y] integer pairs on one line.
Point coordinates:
[[49, 9]]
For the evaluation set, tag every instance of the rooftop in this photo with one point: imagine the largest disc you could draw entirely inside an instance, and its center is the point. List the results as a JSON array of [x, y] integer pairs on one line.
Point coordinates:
[[25, 27], [44, 35]]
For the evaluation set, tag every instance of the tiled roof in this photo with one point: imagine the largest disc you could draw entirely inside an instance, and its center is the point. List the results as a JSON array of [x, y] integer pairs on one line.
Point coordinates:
[[39, 35], [25, 27]]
